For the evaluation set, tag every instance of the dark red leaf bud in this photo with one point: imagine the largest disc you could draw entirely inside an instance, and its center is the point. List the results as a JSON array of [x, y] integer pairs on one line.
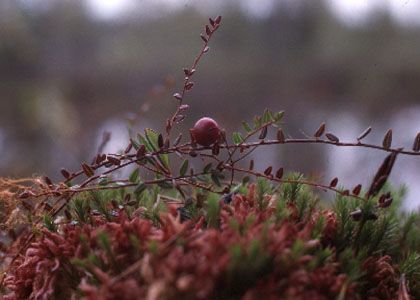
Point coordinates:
[[251, 165], [263, 133], [65, 173], [387, 202], [128, 148], [177, 96], [166, 143], [67, 214], [280, 136], [357, 215], [332, 137], [387, 141], [279, 173], [364, 133], [160, 141], [372, 216], [189, 85], [100, 158], [113, 160], [208, 30], [416, 145], [320, 130], [216, 149], [267, 171], [357, 189], [211, 22], [334, 182], [47, 180], [87, 170], [193, 153], [141, 151], [203, 38]]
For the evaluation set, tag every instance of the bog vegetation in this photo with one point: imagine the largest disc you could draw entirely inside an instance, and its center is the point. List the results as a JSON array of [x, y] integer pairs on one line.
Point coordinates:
[[195, 220]]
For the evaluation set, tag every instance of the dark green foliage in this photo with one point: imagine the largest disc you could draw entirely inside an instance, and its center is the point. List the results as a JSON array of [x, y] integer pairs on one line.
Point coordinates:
[[49, 223], [213, 210]]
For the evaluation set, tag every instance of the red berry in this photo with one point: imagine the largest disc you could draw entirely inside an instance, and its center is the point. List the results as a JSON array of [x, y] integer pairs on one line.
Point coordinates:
[[205, 132]]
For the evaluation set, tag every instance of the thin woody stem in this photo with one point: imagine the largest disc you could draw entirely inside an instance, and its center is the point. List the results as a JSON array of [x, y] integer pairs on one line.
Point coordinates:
[[322, 141], [118, 186], [191, 70], [186, 148], [305, 182]]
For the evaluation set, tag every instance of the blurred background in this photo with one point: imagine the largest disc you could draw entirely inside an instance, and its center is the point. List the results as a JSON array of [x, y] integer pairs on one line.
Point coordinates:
[[71, 70]]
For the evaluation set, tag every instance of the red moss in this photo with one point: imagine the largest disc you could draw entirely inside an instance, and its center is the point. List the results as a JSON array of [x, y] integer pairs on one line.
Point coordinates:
[[250, 256], [382, 277]]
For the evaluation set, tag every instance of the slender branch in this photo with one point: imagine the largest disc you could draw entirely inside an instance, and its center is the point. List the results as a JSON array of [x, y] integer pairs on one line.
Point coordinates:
[[305, 182], [322, 141], [246, 154], [189, 72], [186, 148], [118, 186]]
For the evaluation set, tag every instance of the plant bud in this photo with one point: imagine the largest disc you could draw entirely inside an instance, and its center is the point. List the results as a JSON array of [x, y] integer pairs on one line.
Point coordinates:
[[356, 215]]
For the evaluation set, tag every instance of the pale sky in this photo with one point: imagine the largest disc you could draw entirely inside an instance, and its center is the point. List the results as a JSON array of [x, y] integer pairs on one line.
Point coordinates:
[[405, 12], [350, 12]]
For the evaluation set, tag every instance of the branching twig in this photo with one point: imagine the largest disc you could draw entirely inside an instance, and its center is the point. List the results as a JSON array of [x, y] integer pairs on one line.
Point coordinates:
[[188, 72]]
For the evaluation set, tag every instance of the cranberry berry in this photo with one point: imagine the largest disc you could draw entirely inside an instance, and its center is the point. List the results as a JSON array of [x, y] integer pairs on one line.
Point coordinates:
[[205, 132]]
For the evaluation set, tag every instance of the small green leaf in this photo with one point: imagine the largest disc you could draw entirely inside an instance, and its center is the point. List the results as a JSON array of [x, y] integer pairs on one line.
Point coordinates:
[[95, 260], [141, 187], [145, 142], [270, 115], [215, 178], [134, 240], [207, 168], [103, 181], [135, 144], [281, 211], [104, 242], [245, 180], [134, 175], [152, 137], [257, 122], [246, 126], [151, 143], [237, 138], [184, 167], [153, 247], [213, 211], [278, 116], [49, 223], [164, 158], [165, 185], [81, 263], [266, 118], [69, 184]]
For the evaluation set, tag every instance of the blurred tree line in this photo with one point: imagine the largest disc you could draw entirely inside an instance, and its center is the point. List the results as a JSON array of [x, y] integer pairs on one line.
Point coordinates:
[[63, 73]]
